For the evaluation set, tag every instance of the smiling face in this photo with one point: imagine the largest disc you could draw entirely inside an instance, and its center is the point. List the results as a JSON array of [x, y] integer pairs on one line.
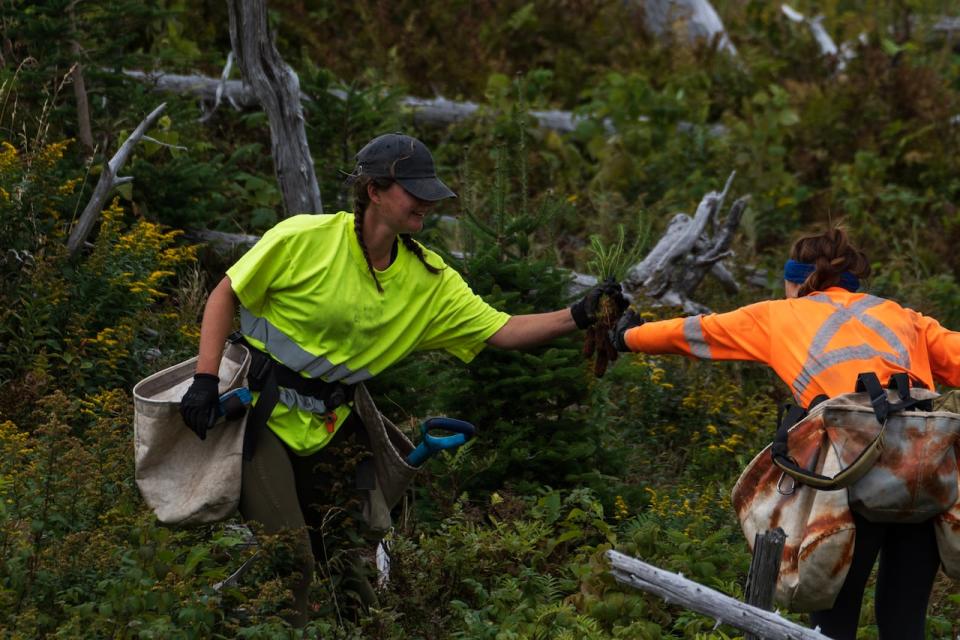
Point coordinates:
[[396, 209]]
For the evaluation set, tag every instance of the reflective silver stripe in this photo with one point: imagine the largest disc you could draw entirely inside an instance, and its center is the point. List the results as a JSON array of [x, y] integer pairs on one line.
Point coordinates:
[[840, 317], [819, 359], [288, 352], [293, 400], [337, 373], [903, 356], [693, 332]]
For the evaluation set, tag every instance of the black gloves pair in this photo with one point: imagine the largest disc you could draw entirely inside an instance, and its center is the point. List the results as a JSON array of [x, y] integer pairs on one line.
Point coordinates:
[[584, 312], [200, 405]]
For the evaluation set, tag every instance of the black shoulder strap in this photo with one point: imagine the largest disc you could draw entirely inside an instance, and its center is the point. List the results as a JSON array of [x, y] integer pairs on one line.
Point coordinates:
[[868, 381], [787, 416], [779, 451]]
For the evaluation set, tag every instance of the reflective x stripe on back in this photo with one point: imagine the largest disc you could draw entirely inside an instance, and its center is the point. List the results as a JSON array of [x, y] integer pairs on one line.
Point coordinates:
[[292, 355], [819, 359]]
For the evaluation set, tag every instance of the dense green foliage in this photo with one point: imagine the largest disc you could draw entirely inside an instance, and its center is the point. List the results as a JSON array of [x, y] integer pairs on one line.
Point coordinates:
[[504, 538]]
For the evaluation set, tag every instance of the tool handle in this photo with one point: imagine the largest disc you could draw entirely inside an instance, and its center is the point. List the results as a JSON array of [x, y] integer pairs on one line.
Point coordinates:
[[462, 431], [233, 404], [449, 424]]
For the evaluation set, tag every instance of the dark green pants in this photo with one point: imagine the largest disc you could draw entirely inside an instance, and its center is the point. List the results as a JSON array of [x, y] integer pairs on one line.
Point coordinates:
[[316, 497]]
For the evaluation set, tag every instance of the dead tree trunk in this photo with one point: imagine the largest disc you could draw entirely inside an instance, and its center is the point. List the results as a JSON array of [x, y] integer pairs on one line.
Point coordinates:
[[277, 88], [108, 181], [689, 250]]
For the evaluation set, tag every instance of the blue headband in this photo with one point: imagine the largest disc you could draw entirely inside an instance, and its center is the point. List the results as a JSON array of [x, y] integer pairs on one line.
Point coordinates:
[[797, 272]]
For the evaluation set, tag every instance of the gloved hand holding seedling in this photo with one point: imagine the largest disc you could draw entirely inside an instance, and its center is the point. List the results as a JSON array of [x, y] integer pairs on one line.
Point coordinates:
[[598, 311]]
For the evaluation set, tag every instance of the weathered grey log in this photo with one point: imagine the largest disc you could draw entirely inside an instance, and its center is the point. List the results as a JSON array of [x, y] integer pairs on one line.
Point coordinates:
[[948, 24], [277, 88], [764, 569], [699, 16], [203, 88], [674, 588], [688, 250], [426, 111], [107, 182]]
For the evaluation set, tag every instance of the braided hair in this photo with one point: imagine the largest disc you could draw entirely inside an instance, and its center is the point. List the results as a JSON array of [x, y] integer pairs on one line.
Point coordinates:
[[361, 200], [831, 253]]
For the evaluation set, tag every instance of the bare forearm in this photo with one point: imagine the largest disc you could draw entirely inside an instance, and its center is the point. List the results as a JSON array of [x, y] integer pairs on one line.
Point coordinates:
[[216, 326], [530, 330]]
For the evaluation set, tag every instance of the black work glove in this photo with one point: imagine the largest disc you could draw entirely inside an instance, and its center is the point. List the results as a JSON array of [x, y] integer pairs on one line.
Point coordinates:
[[200, 404], [628, 320], [584, 310]]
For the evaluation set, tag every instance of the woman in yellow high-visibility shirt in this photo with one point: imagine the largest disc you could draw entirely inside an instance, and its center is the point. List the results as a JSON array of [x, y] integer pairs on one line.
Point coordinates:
[[328, 301], [818, 340]]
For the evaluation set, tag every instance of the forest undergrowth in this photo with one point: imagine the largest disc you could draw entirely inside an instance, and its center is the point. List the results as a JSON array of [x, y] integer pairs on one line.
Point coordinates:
[[504, 538]]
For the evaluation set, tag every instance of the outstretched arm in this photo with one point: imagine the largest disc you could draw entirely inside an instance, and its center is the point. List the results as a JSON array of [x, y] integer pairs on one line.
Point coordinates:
[[529, 330], [532, 329]]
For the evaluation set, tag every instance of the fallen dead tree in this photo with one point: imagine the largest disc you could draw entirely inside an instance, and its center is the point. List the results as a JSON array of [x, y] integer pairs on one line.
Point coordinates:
[[674, 588], [690, 248], [439, 111]]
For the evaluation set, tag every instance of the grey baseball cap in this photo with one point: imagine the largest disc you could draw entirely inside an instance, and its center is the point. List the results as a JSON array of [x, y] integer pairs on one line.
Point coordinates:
[[406, 160]]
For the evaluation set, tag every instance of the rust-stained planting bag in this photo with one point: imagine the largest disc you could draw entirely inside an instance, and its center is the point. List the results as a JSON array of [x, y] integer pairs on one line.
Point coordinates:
[[948, 523], [911, 476], [818, 524]]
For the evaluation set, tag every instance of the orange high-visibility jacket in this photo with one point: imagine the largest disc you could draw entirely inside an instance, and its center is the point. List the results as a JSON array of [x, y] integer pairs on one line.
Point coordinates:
[[818, 343]]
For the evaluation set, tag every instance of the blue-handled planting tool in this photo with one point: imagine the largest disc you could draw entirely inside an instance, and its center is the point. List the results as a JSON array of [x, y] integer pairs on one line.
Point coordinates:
[[462, 431], [233, 404]]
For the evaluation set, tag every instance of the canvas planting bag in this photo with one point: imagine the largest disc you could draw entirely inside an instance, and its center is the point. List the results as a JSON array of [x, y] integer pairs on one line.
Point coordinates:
[[878, 452], [390, 448], [818, 524], [183, 479]]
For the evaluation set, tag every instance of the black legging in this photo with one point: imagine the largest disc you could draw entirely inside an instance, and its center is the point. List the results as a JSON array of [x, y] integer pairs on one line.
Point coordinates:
[[909, 561]]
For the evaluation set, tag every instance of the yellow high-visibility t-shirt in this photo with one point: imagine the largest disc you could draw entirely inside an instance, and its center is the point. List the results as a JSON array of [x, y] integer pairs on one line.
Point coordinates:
[[308, 299]]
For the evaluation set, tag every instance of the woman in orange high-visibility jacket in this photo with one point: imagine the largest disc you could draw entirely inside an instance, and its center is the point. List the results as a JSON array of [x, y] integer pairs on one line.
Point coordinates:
[[818, 340]]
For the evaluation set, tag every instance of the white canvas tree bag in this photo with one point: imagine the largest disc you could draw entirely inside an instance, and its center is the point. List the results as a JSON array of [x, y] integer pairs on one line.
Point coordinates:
[[185, 480]]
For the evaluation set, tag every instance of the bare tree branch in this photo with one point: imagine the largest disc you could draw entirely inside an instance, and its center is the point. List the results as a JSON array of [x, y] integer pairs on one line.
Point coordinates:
[[108, 181]]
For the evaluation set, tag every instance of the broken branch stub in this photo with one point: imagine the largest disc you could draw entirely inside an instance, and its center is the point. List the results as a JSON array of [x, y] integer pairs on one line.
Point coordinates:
[[107, 182], [690, 249]]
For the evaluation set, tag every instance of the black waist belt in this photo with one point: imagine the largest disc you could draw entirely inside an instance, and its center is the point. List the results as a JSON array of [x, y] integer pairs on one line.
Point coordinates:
[[266, 376]]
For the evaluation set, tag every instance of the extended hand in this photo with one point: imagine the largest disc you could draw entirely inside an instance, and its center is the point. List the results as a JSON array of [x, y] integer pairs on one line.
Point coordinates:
[[584, 310], [200, 403], [627, 321]]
